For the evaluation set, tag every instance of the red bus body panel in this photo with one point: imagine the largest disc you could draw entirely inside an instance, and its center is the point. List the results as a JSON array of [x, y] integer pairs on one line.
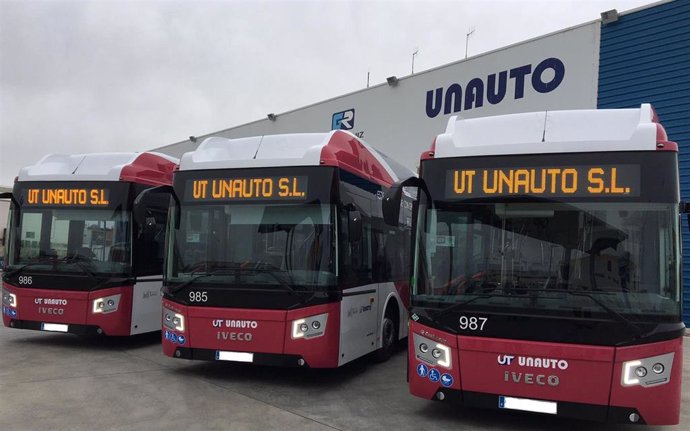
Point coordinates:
[[72, 308], [211, 327], [592, 375]]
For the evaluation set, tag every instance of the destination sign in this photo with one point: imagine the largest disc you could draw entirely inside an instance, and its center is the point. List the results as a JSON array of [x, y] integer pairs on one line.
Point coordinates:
[[552, 182], [66, 196], [247, 189]]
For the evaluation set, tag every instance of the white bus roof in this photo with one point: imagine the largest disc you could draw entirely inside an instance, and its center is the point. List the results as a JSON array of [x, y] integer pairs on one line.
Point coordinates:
[[585, 130], [144, 167], [334, 148]]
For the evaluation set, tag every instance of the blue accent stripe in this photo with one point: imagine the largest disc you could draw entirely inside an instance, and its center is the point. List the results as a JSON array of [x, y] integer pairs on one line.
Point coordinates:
[[645, 58]]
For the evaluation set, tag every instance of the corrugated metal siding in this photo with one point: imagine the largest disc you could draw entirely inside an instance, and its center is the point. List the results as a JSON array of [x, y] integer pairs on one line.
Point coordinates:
[[645, 57]]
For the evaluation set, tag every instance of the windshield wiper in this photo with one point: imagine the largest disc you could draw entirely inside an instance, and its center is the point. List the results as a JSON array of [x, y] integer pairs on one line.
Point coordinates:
[[173, 290], [531, 293], [616, 315], [235, 268], [83, 267], [16, 271], [460, 305], [269, 269]]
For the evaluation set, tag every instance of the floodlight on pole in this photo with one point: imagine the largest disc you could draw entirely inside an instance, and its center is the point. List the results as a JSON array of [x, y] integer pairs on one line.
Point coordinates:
[[416, 51], [609, 16]]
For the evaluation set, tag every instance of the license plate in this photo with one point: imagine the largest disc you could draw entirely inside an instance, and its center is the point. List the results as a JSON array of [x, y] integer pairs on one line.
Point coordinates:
[[54, 327], [527, 405], [234, 356]]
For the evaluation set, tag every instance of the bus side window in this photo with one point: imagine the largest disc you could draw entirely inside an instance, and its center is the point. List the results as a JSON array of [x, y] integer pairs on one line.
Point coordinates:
[[356, 259], [149, 246]]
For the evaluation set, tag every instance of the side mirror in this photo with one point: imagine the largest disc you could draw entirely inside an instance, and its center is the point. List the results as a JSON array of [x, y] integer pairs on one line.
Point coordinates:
[[10, 196], [393, 196], [140, 208], [354, 225]]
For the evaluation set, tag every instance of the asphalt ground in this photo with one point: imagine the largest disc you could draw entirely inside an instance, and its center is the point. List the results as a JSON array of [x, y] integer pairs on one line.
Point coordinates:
[[64, 382]]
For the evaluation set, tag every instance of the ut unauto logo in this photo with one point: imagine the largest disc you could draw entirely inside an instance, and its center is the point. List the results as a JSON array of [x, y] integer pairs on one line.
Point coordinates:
[[344, 120]]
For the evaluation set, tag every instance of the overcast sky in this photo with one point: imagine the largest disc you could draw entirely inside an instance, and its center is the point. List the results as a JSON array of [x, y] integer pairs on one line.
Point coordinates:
[[86, 76]]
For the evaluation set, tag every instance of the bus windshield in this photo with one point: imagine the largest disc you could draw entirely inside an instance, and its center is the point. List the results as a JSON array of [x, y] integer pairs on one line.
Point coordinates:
[[260, 246], [96, 241], [550, 258]]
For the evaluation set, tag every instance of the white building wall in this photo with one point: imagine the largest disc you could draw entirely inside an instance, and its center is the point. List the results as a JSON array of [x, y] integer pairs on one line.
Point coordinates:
[[394, 119]]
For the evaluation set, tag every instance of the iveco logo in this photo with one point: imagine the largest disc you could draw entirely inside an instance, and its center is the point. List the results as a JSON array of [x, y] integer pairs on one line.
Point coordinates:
[[234, 336], [530, 379], [545, 77]]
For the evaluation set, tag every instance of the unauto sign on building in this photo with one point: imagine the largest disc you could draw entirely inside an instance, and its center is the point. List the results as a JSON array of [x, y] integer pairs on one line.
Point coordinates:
[[493, 88]]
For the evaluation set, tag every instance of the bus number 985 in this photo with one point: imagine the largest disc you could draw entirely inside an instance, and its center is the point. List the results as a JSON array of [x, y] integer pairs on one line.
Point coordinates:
[[198, 297]]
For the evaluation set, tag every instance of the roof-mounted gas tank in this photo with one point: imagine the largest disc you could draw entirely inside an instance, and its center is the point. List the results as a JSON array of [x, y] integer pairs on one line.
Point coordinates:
[[147, 168], [336, 148], [593, 130]]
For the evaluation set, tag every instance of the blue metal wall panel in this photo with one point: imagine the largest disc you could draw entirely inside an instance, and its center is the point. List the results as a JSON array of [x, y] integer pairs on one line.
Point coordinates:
[[645, 57]]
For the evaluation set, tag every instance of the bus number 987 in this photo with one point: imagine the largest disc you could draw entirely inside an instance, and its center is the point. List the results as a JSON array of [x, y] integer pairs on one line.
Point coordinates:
[[473, 323]]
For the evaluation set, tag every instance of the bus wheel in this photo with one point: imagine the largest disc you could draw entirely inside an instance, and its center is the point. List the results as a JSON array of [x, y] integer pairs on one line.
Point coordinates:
[[389, 337]]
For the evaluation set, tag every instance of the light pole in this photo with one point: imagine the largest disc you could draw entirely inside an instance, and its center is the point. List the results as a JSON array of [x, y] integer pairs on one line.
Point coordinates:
[[416, 51]]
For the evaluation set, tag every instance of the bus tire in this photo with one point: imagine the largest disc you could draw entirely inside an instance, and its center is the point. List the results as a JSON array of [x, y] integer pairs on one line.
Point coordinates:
[[389, 339]]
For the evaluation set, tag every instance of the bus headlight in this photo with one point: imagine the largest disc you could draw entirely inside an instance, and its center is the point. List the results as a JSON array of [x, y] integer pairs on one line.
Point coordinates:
[[432, 352], [635, 372], [9, 299], [309, 327], [105, 305], [173, 320]]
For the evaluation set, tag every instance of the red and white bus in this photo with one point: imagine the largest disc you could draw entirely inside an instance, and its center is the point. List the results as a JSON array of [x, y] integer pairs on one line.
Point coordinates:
[[278, 253], [546, 266], [76, 261]]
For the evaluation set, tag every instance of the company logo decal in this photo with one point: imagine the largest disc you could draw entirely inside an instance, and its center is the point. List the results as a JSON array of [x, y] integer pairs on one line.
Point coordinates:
[[149, 294], [234, 336], [528, 361], [530, 379], [545, 77], [344, 120], [354, 310], [50, 301], [229, 323], [531, 362]]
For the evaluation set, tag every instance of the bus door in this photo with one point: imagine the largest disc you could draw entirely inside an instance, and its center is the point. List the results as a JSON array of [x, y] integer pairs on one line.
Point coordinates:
[[358, 311]]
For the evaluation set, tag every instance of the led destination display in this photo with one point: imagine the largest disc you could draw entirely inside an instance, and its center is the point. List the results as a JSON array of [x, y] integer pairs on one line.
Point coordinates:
[[66, 196], [246, 189], [551, 182]]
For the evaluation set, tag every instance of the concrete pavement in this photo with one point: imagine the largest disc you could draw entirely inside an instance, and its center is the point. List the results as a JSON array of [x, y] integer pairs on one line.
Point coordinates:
[[63, 382]]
